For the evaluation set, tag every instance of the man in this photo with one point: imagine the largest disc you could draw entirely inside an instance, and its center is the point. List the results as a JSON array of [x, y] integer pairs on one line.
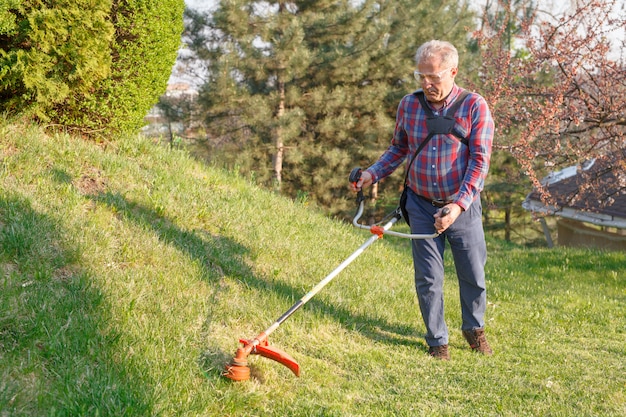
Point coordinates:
[[447, 172]]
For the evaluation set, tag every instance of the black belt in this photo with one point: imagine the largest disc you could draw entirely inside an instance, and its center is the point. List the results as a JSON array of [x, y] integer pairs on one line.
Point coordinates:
[[436, 203]]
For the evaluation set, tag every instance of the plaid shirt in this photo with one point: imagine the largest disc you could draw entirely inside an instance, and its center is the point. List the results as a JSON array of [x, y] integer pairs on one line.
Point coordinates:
[[445, 169]]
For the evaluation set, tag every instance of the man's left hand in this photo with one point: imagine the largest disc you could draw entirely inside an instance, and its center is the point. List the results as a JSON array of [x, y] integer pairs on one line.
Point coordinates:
[[443, 222]]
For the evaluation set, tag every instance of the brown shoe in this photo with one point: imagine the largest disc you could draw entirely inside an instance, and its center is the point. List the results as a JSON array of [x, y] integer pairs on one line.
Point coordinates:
[[439, 352], [478, 341]]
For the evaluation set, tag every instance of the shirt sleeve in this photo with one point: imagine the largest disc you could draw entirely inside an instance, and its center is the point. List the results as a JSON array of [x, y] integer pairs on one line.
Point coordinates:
[[397, 150], [480, 144]]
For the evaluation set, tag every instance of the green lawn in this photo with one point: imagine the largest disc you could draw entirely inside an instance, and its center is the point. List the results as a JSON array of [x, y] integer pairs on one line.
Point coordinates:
[[129, 271]]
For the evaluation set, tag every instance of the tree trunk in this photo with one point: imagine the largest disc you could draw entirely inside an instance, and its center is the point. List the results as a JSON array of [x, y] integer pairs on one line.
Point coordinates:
[[280, 149], [507, 224]]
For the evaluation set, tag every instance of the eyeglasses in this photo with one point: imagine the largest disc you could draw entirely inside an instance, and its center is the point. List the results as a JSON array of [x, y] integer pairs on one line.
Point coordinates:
[[431, 78]]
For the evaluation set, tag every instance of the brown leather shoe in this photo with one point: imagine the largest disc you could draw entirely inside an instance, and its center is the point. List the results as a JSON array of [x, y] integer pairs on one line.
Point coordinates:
[[439, 352], [478, 341]]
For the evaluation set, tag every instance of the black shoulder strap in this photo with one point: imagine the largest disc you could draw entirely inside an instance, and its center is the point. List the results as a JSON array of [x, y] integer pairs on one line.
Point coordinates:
[[443, 124], [424, 142], [455, 106], [422, 98], [432, 132]]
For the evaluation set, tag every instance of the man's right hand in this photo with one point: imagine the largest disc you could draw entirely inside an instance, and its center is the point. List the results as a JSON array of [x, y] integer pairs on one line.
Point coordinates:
[[363, 182]]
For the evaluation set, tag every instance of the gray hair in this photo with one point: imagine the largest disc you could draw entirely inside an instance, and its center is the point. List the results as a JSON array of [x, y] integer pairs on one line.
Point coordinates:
[[438, 49]]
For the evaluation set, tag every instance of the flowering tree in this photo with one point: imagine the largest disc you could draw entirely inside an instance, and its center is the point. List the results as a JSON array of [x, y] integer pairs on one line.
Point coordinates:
[[558, 91]]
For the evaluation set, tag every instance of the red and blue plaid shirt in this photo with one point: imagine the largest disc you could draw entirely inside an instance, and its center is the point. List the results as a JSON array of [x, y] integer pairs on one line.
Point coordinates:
[[445, 169]]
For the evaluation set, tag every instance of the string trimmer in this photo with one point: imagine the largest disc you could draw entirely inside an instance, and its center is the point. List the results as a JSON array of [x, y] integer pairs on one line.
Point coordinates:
[[237, 369]]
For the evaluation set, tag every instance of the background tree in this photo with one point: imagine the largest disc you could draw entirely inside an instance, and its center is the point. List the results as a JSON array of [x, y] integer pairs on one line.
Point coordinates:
[[559, 98], [300, 92], [505, 190], [505, 187], [92, 65]]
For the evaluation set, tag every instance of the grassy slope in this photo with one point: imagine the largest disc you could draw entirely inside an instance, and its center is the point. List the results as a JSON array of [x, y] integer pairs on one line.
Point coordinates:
[[128, 272]]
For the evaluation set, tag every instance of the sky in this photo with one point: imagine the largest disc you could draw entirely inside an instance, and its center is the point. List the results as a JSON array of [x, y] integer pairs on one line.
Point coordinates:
[[200, 4], [179, 73]]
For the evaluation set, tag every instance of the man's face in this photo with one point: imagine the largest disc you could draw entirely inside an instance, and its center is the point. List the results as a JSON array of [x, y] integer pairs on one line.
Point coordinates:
[[436, 79]]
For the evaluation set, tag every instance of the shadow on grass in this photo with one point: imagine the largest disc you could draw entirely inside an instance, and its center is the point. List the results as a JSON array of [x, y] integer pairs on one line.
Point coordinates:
[[58, 354], [218, 255], [222, 256]]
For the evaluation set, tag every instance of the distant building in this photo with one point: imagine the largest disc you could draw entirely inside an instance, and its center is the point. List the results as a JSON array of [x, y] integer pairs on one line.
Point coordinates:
[[180, 90], [157, 121], [589, 202]]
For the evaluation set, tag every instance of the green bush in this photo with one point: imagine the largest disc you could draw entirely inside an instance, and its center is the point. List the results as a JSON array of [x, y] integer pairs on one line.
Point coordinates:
[[7, 19], [98, 65]]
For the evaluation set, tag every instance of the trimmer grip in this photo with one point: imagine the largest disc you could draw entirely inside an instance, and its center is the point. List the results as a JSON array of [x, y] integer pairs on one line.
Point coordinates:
[[355, 175]]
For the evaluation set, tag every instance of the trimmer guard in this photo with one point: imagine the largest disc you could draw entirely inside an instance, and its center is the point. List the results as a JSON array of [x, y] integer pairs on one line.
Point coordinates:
[[264, 349]]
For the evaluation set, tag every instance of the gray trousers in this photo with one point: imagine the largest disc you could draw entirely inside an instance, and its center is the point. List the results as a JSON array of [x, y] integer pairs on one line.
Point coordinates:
[[467, 243]]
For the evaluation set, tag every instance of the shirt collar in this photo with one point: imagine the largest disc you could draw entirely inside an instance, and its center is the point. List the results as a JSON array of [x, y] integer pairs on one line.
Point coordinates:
[[452, 96]]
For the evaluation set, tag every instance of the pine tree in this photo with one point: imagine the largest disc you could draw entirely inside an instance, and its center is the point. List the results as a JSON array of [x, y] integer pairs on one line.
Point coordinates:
[[300, 92]]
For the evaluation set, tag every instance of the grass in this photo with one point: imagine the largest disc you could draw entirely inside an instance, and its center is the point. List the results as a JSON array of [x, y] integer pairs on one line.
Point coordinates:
[[128, 272]]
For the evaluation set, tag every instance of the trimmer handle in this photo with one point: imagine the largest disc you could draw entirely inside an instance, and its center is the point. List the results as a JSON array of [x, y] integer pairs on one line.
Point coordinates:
[[355, 176]]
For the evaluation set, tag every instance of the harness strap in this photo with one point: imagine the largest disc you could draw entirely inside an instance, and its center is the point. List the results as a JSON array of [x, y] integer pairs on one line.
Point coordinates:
[[438, 124], [443, 124]]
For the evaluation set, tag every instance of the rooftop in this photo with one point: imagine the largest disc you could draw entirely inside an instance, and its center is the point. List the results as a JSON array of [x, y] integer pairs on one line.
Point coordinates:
[[594, 192]]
